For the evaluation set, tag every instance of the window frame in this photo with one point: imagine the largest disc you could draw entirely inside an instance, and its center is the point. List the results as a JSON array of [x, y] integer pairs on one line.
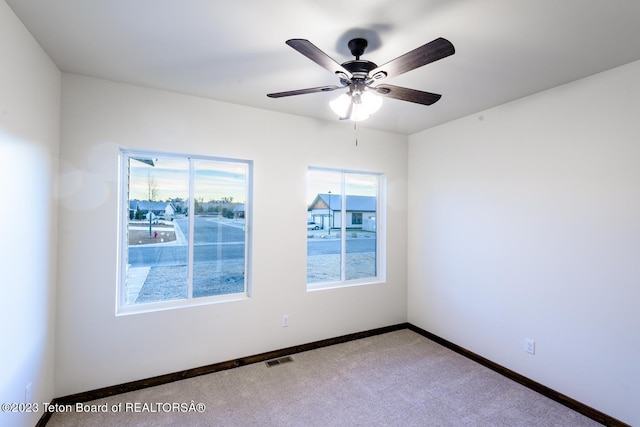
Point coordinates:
[[381, 205], [121, 307]]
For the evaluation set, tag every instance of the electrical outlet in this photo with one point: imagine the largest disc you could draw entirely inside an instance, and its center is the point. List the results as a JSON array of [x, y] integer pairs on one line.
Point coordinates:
[[27, 394], [530, 346], [285, 320]]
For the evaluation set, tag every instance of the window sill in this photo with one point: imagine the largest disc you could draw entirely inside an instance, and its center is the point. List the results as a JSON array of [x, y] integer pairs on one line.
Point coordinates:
[[152, 307], [312, 287]]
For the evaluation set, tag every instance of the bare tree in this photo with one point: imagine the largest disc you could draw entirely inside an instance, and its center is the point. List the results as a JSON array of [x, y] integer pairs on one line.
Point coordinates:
[[152, 186]]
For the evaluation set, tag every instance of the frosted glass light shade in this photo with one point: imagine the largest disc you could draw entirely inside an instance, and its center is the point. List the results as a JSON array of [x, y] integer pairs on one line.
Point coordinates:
[[369, 104], [340, 105]]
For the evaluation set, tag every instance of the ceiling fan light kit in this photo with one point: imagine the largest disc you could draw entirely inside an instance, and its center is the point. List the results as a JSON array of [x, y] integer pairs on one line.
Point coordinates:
[[356, 107], [360, 77]]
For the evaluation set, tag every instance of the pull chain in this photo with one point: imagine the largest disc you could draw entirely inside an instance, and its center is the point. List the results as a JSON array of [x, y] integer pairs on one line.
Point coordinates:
[[355, 128]]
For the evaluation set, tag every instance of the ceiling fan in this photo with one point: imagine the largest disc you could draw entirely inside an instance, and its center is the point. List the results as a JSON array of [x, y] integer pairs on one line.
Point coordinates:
[[361, 76]]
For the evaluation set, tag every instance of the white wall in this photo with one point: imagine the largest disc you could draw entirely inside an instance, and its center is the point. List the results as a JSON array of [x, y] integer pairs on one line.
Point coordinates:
[[29, 139], [94, 347], [525, 223]]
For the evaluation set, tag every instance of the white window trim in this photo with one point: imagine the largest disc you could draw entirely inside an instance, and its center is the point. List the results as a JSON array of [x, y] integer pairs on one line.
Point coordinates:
[[381, 235], [121, 308]]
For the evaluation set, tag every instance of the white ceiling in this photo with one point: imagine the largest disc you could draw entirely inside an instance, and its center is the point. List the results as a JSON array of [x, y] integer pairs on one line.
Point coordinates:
[[235, 51]]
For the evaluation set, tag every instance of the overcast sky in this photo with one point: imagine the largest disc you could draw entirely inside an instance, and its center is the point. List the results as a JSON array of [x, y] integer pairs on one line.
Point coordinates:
[[216, 180]]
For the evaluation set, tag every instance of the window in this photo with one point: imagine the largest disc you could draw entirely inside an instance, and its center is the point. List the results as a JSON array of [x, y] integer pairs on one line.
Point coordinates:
[[183, 231], [346, 248]]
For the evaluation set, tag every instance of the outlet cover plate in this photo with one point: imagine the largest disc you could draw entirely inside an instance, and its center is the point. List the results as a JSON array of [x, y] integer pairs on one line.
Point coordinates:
[[530, 346]]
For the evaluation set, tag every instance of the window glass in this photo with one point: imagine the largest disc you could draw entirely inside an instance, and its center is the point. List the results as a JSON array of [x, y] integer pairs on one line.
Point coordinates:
[[324, 255], [342, 228], [184, 233], [219, 230], [361, 232]]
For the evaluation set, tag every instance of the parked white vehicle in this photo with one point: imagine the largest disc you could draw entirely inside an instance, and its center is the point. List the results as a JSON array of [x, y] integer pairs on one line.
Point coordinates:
[[313, 225]]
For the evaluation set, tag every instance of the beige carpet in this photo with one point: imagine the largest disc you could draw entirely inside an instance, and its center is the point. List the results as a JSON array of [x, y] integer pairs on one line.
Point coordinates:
[[395, 379]]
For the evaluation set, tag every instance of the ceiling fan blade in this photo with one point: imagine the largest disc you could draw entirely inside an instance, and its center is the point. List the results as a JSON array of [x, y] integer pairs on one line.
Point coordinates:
[[303, 91], [406, 94], [309, 50], [430, 52]]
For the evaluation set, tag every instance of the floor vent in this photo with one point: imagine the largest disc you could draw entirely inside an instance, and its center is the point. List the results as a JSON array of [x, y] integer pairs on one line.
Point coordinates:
[[280, 361]]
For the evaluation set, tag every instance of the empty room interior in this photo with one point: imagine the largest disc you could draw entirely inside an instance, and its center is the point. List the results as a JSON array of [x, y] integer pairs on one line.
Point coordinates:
[[155, 196]]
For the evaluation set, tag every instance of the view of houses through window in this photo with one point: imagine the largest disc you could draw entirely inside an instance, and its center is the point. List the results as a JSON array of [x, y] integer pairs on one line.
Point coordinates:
[[184, 233], [342, 227]]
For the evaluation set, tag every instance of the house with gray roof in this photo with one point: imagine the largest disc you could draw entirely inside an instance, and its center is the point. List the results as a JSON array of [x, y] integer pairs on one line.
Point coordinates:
[[158, 209], [360, 211]]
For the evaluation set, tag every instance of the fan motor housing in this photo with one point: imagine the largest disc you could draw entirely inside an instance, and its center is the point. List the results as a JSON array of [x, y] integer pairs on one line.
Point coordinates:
[[359, 68]]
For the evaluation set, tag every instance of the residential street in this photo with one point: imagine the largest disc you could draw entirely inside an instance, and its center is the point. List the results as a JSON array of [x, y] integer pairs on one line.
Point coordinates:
[[217, 240], [220, 242]]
